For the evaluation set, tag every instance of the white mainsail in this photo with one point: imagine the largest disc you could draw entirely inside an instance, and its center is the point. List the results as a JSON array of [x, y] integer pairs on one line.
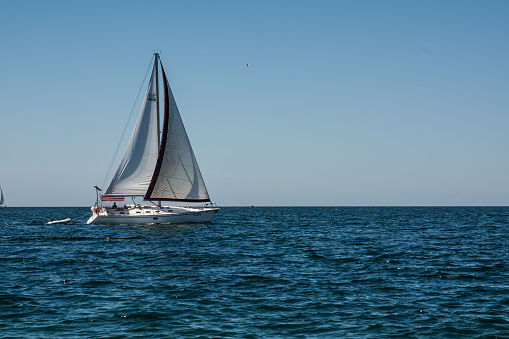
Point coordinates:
[[2, 202], [177, 176], [136, 169]]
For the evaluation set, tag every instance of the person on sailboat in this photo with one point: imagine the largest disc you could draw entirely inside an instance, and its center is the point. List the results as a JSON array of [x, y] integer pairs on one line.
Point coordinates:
[[114, 206]]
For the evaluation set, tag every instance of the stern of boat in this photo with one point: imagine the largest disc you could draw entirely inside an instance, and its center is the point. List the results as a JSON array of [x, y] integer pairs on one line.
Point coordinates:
[[95, 214]]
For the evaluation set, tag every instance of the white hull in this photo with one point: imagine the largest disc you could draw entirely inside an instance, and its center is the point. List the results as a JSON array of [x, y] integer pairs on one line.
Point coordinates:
[[152, 215]]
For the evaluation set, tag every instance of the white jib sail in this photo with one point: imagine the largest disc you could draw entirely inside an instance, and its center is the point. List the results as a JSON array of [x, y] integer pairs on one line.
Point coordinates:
[[135, 171], [1, 197], [178, 177]]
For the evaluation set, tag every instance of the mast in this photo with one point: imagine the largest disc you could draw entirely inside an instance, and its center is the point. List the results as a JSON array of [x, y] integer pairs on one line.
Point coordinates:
[[156, 59], [156, 64]]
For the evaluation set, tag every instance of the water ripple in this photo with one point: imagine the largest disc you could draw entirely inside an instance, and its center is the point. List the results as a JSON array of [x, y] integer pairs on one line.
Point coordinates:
[[279, 272]]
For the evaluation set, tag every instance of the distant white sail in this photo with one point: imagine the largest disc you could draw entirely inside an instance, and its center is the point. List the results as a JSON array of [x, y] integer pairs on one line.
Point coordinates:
[[136, 169], [177, 176], [2, 201]]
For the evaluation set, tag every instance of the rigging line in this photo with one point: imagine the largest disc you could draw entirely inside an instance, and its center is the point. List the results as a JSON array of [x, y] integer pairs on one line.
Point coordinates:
[[127, 124], [81, 216], [185, 170], [169, 185]]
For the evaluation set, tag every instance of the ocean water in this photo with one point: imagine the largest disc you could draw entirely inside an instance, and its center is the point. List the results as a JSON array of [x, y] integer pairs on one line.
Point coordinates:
[[264, 272]]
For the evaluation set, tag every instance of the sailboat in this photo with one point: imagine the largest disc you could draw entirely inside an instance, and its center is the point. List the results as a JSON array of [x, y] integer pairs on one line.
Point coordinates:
[[2, 201], [157, 166]]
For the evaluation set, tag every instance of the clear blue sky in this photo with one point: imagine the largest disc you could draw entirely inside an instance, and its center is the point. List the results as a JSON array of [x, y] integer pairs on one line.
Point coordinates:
[[344, 102]]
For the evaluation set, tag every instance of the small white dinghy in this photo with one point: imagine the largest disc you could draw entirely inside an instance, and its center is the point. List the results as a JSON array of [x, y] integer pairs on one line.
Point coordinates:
[[56, 222]]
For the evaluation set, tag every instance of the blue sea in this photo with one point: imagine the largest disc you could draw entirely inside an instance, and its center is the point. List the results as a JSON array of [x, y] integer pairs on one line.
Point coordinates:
[[263, 272]]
